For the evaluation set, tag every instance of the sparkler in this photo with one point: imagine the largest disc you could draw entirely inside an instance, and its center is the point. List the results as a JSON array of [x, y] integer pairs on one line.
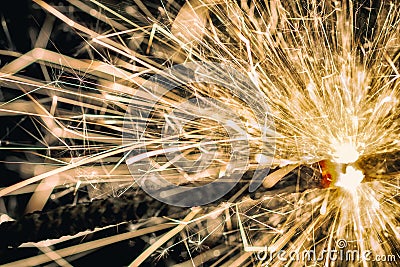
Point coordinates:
[[326, 73]]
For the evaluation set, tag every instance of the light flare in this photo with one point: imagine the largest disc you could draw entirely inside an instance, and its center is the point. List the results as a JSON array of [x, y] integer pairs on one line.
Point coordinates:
[[350, 179]]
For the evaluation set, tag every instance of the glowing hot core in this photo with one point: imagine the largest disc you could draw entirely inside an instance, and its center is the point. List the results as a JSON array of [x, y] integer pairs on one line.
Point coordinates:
[[345, 153], [351, 179]]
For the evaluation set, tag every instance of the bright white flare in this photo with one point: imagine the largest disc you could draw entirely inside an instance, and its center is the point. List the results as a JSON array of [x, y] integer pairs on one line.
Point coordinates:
[[345, 153], [351, 179]]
